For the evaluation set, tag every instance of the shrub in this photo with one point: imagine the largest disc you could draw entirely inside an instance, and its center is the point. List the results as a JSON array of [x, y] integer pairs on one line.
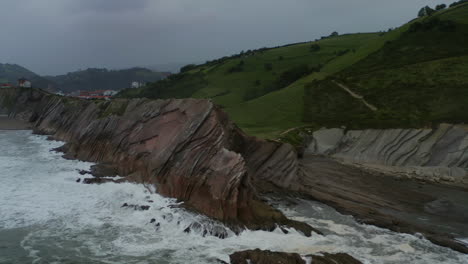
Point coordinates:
[[440, 7], [187, 68], [314, 48], [268, 66]]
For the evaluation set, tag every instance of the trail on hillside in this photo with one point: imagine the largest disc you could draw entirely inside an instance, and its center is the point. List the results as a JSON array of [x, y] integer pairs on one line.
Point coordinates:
[[355, 95]]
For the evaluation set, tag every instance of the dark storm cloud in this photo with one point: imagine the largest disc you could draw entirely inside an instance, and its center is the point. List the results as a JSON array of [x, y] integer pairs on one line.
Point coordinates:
[[56, 36]]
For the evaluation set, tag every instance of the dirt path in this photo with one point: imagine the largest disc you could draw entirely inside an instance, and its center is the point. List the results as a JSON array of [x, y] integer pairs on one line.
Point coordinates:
[[357, 96]]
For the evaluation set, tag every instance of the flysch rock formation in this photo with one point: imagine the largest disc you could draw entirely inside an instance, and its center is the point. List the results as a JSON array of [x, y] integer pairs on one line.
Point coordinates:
[[438, 154], [187, 148]]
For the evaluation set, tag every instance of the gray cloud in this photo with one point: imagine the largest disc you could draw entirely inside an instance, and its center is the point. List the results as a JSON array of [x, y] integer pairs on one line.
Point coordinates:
[[57, 36]]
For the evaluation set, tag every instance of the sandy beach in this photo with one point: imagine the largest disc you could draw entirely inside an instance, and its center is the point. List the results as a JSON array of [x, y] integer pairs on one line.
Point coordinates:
[[7, 123]]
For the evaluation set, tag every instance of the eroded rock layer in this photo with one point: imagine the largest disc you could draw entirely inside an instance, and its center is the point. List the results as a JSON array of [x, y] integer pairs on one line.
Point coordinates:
[[433, 154], [188, 148]]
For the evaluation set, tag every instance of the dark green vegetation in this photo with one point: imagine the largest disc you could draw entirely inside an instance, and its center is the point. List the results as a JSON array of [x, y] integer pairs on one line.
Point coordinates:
[[415, 75], [10, 73], [419, 79], [103, 79]]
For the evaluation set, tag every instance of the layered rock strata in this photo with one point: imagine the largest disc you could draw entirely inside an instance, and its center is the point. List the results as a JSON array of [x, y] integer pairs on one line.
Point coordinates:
[[187, 148], [438, 154]]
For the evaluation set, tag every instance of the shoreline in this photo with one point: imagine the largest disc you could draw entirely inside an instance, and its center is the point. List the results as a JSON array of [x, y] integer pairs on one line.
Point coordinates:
[[7, 123], [404, 205]]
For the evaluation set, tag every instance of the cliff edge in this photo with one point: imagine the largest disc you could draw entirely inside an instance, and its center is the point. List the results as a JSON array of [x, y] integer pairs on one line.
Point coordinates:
[[187, 148]]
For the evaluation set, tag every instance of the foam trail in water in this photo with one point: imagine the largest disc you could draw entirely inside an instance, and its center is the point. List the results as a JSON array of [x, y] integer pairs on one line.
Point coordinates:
[[67, 221]]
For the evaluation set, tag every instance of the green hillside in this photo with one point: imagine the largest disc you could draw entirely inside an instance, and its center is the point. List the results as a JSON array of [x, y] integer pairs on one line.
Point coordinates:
[[414, 75], [419, 79], [10, 73], [103, 79]]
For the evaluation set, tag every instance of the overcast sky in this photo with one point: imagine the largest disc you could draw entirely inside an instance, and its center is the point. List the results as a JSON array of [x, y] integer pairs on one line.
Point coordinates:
[[58, 36]]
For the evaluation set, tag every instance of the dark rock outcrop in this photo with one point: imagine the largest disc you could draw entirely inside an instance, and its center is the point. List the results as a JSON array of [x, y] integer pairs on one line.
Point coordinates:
[[187, 148], [258, 256]]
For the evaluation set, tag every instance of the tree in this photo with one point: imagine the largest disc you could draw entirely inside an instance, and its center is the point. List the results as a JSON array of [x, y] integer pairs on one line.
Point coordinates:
[[440, 7], [334, 34], [188, 67], [426, 11]]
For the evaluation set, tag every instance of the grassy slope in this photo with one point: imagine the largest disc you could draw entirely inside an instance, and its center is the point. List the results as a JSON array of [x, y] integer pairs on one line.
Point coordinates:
[[375, 62], [273, 113], [419, 79]]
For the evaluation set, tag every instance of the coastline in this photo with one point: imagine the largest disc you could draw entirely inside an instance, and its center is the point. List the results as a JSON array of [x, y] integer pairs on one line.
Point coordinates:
[[7, 123]]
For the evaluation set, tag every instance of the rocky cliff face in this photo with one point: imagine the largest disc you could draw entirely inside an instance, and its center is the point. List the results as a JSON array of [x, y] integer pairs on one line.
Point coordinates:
[[439, 154], [188, 149]]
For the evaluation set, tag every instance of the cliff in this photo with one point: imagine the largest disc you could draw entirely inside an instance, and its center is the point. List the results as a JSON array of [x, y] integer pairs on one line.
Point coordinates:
[[187, 148], [437, 154]]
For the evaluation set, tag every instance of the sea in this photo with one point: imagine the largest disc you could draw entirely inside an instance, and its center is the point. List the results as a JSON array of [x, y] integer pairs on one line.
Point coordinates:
[[46, 216]]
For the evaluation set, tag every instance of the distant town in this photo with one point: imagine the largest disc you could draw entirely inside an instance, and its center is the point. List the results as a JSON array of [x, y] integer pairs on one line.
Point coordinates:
[[98, 94]]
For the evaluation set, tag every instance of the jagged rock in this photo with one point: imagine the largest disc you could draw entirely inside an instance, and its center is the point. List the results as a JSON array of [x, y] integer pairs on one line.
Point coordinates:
[[152, 220], [187, 148], [103, 170], [258, 256], [338, 258], [137, 207], [95, 180]]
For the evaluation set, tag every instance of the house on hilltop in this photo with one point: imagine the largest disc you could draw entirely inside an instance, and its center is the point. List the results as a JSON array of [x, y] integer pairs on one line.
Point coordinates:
[[24, 83]]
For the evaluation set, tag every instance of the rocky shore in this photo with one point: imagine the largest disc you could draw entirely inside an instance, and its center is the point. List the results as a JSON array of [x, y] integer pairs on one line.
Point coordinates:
[[187, 148], [191, 151]]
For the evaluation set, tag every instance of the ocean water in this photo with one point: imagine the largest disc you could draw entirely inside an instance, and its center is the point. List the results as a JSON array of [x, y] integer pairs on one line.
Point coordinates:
[[47, 217]]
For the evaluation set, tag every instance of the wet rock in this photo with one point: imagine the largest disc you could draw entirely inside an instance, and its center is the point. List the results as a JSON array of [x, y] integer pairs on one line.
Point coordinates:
[[338, 258], [219, 232], [152, 220], [144, 207], [103, 170], [94, 180], [78, 180], [258, 256], [83, 172], [137, 207]]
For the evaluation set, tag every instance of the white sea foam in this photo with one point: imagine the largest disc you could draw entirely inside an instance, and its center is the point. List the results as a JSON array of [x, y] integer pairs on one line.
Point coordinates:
[[68, 221]]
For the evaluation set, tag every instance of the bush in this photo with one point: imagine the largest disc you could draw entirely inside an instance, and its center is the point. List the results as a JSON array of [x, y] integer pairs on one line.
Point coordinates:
[[290, 76], [433, 24], [187, 68], [440, 7], [314, 48], [268, 66], [426, 11]]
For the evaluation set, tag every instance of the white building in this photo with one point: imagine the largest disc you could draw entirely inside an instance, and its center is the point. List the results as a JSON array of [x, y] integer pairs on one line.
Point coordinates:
[[136, 85], [23, 83]]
